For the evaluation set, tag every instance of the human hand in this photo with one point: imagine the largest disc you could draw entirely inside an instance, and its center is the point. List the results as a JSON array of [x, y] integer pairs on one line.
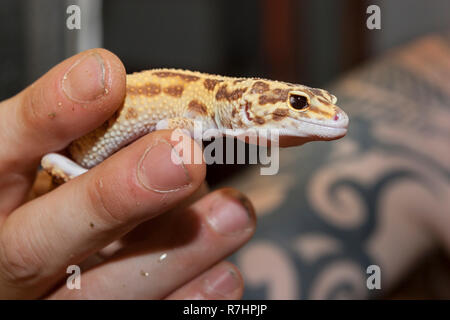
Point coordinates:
[[120, 219]]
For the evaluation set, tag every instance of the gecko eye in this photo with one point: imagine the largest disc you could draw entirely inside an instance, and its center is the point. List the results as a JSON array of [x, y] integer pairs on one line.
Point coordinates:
[[298, 102]]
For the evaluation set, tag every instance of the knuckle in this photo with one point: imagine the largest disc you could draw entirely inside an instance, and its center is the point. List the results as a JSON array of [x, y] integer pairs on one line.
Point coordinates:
[[35, 113], [19, 262], [106, 203], [30, 113]]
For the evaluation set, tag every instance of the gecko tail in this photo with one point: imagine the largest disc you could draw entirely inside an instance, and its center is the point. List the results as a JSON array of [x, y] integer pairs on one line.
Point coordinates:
[[60, 167]]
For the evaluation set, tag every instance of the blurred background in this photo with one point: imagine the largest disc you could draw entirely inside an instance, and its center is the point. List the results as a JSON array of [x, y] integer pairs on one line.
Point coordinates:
[[309, 41], [312, 42]]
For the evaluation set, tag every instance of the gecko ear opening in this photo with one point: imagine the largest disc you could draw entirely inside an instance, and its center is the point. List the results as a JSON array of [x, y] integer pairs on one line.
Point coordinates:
[[298, 102]]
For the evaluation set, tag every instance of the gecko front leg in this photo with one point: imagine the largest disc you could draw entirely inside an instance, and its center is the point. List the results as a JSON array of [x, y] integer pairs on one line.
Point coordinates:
[[195, 128]]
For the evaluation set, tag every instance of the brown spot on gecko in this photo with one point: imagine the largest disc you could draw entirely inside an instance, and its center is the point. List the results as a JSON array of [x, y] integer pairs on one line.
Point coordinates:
[[279, 114], [52, 115], [189, 78], [237, 93], [238, 80], [149, 90], [324, 101], [210, 84], [316, 110], [163, 74], [321, 94], [277, 95], [316, 92], [282, 94], [91, 225], [259, 120], [174, 91], [152, 89], [223, 94], [185, 77], [131, 114], [259, 87], [197, 107], [247, 107]]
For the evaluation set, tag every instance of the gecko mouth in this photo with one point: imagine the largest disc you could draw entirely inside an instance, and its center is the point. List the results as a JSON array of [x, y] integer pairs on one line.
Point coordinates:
[[330, 127], [298, 131], [320, 129], [310, 130], [339, 121]]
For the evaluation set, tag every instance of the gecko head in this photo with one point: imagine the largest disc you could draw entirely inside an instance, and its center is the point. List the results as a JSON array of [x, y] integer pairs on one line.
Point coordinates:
[[299, 113]]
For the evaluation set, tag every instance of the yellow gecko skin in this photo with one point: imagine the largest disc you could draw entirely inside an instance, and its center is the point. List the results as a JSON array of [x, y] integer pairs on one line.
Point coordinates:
[[170, 98]]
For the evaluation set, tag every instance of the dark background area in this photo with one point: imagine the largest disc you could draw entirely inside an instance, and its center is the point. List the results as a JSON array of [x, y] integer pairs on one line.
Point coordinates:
[[309, 41]]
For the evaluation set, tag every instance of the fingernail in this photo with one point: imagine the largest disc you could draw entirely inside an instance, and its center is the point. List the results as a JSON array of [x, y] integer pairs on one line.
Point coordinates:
[[221, 281], [85, 79], [231, 213], [158, 172]]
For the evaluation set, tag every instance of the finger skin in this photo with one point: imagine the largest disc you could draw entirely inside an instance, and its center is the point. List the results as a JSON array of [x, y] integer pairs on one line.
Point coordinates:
[[172, 250], [210, 285], [43, 118], [40, 239], [115, 246]]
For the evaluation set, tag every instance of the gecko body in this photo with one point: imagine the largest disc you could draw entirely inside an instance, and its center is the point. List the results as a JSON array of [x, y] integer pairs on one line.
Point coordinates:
[[170, 98]]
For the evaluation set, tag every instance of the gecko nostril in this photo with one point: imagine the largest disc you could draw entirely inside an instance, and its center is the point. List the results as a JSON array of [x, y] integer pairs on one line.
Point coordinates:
[[336, 117]]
